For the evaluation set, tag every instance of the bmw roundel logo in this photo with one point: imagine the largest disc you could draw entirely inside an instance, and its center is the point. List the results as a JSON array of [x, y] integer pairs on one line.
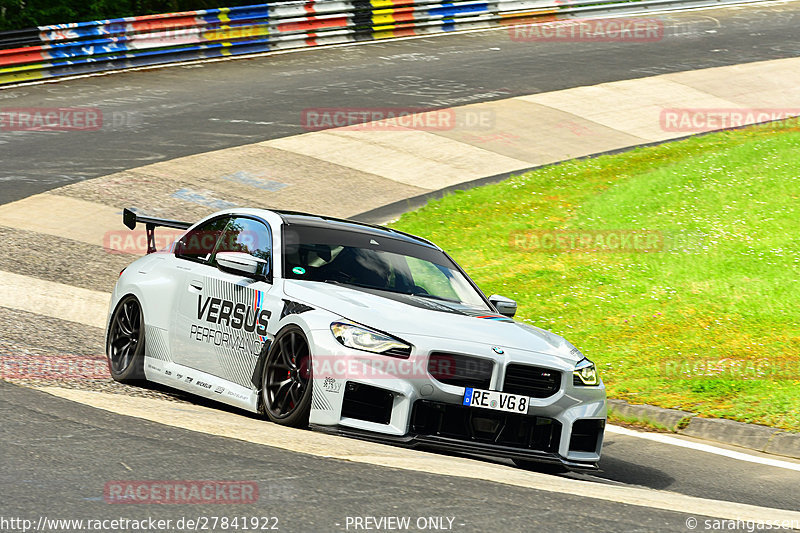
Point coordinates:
[[498, 350]]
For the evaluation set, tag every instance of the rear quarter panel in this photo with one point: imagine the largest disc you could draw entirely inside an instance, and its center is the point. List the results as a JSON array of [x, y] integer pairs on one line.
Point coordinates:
[[154, 280]]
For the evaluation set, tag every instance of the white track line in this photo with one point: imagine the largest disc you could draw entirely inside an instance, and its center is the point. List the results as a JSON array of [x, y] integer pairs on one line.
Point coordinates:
[[54, 300], [667, 439]]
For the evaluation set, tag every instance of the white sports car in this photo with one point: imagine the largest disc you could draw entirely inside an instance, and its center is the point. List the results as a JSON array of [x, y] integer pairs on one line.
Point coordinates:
[[354, 329]]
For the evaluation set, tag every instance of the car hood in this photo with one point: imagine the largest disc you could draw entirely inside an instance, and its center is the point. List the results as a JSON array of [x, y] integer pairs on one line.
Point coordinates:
[[410, 315]]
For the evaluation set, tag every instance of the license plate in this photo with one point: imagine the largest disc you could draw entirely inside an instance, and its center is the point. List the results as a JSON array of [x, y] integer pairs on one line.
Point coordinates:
[[499, 401]]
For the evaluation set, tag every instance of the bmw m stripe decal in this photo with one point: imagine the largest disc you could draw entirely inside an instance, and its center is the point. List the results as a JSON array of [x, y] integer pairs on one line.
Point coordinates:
[[258, 304], [495, 317]]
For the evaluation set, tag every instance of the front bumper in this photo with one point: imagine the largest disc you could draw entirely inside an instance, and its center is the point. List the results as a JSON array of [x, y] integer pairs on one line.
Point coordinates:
[[459, 446], [565, 427]]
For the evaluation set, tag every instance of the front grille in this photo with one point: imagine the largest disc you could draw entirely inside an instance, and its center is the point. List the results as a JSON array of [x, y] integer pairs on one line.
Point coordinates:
[[531, 381], [460, 370], [482, 425]]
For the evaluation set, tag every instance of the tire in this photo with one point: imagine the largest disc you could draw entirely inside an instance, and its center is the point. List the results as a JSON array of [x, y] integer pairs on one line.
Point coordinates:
[[542, 468], [125, 341], [286, 380]]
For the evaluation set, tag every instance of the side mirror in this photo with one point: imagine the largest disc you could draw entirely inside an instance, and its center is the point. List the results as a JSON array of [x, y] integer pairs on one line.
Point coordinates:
[[243, 264], [505, 306]]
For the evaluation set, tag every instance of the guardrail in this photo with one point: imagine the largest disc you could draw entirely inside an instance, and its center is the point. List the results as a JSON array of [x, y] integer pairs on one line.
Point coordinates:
[[103, 45]]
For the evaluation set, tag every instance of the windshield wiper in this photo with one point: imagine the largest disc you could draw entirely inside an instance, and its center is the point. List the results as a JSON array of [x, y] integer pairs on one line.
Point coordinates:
[[388, 289], [362, 285], [432, 297]]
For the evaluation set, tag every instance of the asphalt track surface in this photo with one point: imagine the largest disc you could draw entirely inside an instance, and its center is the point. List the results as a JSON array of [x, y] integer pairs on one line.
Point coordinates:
[[57, 455], [305, 493], [156, 115]]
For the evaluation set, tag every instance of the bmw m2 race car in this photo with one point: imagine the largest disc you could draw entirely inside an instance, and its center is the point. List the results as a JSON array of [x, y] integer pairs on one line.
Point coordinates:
[[354, 329]]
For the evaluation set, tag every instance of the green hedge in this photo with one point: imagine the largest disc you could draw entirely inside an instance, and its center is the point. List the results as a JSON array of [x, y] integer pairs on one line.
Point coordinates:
[[21, 14]]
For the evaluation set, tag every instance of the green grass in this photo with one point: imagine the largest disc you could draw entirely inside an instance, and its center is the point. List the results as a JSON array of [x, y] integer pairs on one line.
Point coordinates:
[[638, 422], [724, 287]]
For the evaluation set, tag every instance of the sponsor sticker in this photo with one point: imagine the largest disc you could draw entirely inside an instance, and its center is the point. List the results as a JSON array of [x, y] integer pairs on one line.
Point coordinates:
[[331, 384]]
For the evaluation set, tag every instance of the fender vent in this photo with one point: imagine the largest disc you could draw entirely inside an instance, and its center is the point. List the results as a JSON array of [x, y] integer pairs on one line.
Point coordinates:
[[586, 435], [368, 403]]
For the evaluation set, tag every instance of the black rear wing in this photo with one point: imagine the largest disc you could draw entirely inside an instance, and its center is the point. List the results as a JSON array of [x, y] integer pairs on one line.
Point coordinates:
[[130, 218]]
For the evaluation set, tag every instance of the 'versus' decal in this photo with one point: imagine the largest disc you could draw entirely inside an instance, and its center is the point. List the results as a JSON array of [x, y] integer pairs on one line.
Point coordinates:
[[235, 315]]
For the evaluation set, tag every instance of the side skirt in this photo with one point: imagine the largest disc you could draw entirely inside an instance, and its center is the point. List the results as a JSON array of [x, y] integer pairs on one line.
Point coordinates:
[[200, 383]]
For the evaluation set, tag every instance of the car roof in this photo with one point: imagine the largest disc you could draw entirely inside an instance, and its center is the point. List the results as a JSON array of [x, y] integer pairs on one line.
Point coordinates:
[[321, 221]]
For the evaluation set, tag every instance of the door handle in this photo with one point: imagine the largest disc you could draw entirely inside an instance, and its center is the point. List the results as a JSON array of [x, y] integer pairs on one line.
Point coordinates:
[[195, 286]]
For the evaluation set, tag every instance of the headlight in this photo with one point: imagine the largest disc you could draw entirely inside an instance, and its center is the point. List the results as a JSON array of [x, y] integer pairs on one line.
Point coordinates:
[[362, 338], [585, 374]]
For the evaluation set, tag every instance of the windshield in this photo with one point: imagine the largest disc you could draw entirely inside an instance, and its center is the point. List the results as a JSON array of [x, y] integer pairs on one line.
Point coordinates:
[[376, 263]]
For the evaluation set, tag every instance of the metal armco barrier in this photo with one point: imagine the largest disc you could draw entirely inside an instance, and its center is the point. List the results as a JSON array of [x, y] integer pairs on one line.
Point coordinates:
[[103, 45]]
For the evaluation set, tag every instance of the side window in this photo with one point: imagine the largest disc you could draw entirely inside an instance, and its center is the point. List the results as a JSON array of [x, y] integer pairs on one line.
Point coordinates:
[[246, 235], [199, 243]]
